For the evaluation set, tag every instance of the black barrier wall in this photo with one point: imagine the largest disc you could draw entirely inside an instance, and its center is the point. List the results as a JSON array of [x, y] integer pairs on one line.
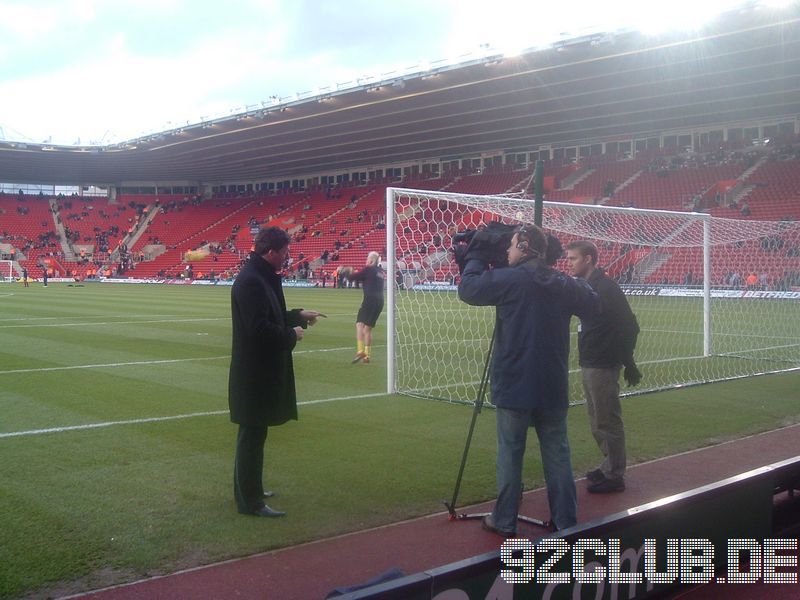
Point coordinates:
[[694, 539]]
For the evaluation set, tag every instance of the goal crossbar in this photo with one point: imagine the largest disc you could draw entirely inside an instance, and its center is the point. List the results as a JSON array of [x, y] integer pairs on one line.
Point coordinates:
[[688, 276]]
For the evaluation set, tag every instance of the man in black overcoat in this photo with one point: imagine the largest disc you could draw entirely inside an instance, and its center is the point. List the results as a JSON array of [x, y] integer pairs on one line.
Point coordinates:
[[261, 388]]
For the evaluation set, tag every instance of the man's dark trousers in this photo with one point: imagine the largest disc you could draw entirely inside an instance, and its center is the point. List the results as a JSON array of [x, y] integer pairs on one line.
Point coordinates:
[[248, 487]]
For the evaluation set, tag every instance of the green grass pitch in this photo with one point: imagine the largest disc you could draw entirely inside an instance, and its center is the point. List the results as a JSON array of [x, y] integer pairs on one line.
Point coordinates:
[[442, 343], [147, 489]]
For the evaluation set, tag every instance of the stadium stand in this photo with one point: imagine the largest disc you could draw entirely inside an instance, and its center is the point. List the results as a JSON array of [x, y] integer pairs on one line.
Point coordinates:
[[178, 227], [491, 182], [333, 226], [28, 226], [602, 180], [775, 190]]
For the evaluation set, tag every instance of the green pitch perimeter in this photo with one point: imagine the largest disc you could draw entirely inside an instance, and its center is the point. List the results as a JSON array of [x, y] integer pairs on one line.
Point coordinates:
[[116, 450]]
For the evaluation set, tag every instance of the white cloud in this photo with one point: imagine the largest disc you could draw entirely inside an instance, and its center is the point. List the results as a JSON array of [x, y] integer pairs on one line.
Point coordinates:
[[27, 21], [82, 11], [128, 95], [263, 49]]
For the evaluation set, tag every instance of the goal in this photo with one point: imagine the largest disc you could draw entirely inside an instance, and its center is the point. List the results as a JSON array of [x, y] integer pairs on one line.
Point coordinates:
[[7, 271], [716, 298]]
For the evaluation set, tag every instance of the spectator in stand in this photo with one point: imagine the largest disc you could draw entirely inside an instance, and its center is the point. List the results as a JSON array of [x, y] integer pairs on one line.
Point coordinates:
[[745, 210]]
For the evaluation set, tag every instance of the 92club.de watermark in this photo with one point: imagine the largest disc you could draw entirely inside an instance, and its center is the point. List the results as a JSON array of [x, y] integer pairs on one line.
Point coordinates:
[[674, 561]]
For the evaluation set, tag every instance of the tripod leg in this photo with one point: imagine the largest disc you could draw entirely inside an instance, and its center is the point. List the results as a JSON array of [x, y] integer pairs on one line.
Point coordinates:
[[532, 521], [451, 508]]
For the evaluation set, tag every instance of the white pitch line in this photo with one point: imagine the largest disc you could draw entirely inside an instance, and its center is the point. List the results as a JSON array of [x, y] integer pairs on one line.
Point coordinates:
[[107, 424], [105, 316], [155, 362], [93, 323], [337, 398], [171, 320], [339, 349], [719, 334], [571, 372], [119, 364], [160, 419], [746, 350]]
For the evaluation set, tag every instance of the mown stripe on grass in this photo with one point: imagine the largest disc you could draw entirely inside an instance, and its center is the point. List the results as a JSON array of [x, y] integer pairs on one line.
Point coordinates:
[[154, 362], [28, 323], [92, 323], [212, 413], [119, 364]]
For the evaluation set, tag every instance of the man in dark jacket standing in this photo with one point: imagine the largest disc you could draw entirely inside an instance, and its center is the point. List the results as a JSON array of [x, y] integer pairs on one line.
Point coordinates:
[[261, 389], [529, 373], [606, 342]]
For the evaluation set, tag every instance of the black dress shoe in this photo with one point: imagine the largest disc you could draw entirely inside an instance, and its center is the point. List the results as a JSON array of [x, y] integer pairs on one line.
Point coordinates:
[[269, 494], [607, 486], [266, 511], [595, 476]]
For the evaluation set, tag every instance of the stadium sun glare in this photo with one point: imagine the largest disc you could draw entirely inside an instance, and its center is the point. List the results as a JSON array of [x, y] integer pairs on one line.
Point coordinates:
[[537, 26]]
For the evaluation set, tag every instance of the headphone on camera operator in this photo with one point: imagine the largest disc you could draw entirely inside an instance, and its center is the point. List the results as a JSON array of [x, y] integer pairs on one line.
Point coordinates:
[[531, 241], [524, 245], [552, 251]]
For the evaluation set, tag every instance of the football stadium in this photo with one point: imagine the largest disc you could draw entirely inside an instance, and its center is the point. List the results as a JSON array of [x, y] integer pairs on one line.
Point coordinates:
[[676, 153]]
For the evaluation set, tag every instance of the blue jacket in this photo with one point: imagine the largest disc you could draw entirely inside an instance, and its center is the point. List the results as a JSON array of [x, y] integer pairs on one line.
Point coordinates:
[[534, 305]]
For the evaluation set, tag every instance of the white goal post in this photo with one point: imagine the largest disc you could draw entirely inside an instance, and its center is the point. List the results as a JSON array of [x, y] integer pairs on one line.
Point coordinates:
[[7, 271], [716, 298]]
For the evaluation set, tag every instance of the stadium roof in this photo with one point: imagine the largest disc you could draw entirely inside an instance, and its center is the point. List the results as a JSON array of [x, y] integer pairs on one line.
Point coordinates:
[[745, 66]]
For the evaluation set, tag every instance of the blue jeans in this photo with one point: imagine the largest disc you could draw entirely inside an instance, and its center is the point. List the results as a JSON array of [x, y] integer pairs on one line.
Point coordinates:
[[512, 433]]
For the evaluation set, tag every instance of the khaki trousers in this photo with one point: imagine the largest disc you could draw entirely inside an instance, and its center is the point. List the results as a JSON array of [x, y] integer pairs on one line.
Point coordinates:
[[601, 387]]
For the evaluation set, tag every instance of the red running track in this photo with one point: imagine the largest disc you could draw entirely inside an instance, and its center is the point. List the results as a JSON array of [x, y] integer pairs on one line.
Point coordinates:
[[311, 570]]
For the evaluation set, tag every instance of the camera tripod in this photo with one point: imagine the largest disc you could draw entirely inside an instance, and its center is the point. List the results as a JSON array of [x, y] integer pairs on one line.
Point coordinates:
[[454, 515]]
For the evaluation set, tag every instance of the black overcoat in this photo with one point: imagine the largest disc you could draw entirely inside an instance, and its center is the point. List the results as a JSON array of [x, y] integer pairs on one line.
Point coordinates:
[[261, 389]]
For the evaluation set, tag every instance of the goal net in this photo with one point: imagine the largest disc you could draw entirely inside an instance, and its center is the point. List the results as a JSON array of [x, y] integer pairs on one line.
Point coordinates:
[[7, 271], [715, 298]]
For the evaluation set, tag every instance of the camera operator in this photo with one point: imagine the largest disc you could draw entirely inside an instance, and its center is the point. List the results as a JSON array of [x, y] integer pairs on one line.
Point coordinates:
[[529, 373]]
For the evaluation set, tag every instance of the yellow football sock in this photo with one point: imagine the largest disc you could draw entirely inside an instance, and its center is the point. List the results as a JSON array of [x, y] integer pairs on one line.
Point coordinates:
[[366, 350], [360, 347]]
